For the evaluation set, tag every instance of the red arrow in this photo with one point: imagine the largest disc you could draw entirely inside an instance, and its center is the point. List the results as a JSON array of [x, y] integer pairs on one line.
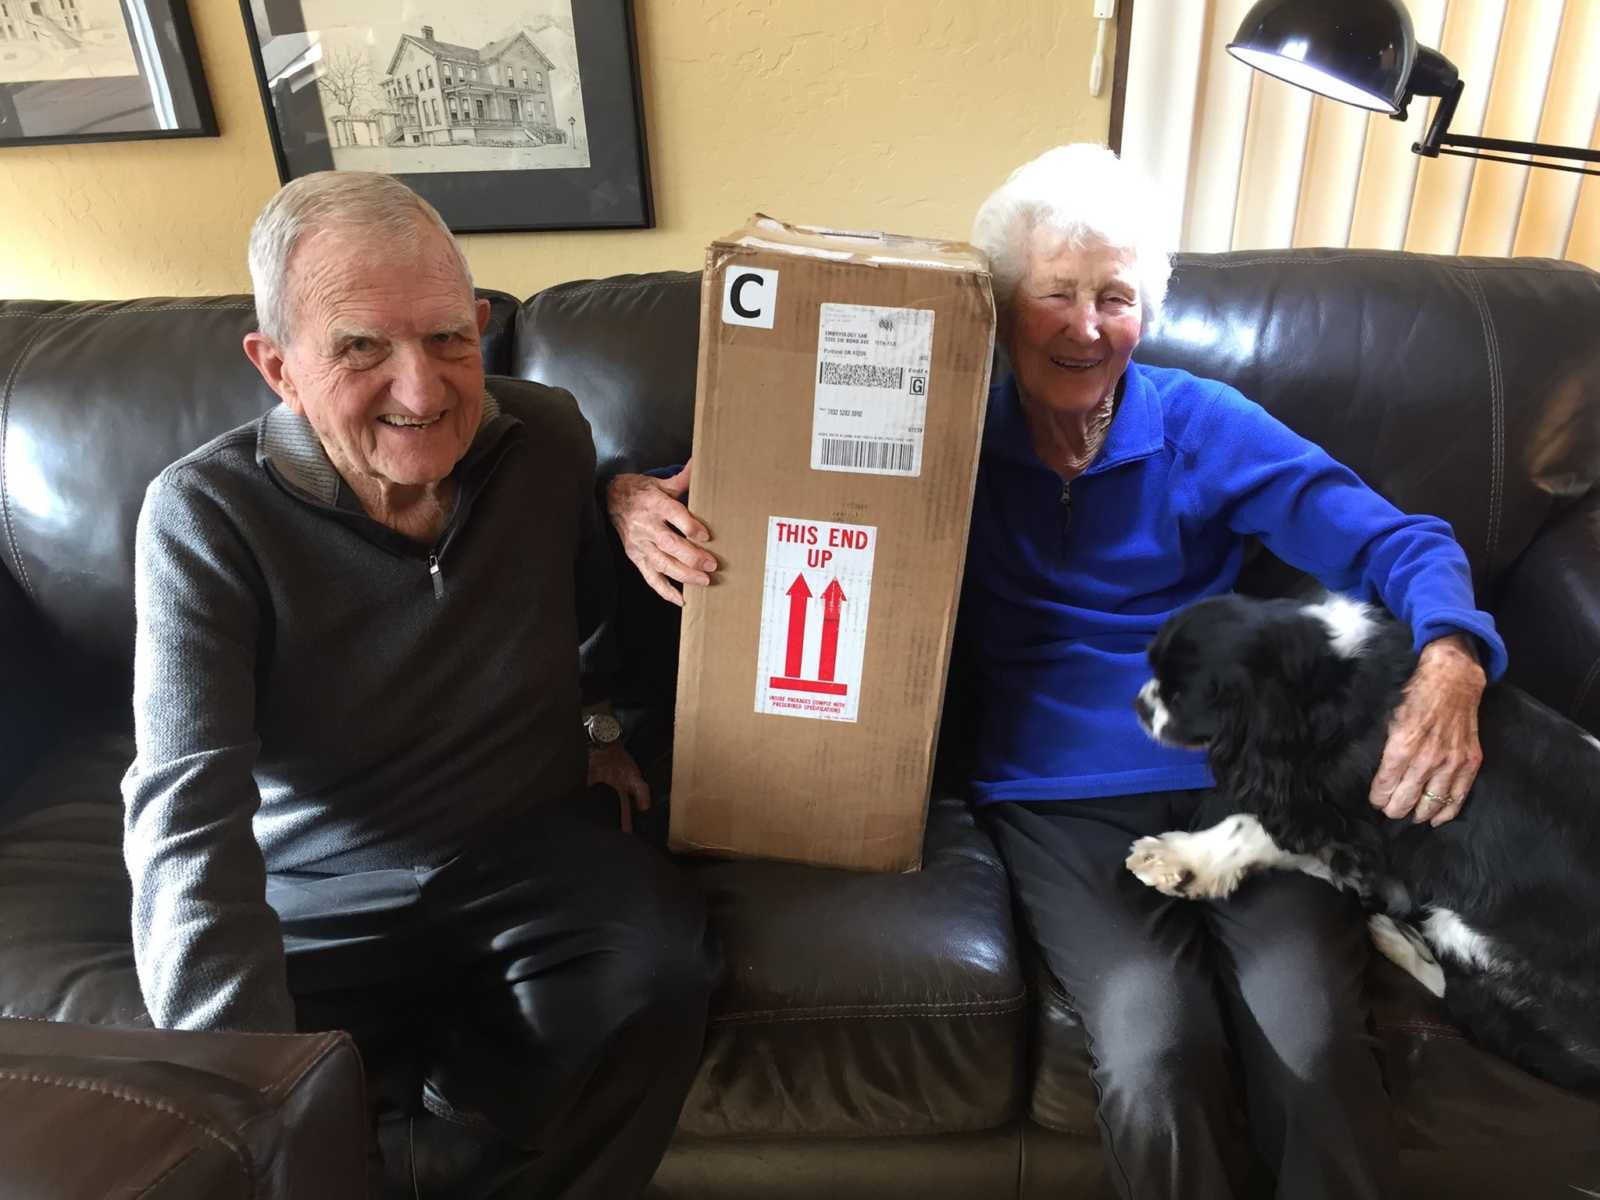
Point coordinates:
[[831, 599], [799, 597]]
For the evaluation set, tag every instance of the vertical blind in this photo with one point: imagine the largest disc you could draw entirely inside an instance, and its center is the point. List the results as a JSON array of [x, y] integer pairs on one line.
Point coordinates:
[[1244, 161]]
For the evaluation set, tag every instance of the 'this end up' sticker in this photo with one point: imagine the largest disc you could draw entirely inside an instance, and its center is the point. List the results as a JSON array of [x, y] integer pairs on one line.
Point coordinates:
[[814, 618]]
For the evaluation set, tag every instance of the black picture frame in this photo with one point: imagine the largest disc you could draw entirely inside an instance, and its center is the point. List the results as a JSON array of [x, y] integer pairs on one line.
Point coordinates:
[[165, 98], [611, 192]]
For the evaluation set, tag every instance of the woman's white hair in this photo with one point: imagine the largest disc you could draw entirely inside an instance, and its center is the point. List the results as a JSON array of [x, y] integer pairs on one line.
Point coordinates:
[[362, 201], [1080, 195]]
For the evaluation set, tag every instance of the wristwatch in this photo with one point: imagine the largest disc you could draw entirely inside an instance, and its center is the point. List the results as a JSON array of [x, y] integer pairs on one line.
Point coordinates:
[[603, 729]]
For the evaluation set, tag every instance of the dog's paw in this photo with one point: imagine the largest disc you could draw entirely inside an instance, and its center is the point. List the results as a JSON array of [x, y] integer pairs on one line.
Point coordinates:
[[1160, 862]]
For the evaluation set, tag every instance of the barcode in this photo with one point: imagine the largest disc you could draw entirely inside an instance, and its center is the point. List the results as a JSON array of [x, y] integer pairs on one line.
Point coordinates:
[[872, 456], [862, 375]]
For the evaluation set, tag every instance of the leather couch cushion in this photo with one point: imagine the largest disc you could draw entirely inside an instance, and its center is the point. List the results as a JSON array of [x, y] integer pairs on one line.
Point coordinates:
[[98, 398], [96, 1112], [858, 1004], [65, 942], [1462, 387], [626, 348]]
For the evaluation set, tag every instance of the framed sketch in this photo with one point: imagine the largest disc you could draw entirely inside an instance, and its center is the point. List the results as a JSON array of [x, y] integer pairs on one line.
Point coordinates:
[[504, 114], [100, 71]]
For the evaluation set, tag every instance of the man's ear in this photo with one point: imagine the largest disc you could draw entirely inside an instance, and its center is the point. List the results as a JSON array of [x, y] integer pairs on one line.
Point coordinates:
[[481, 308], [268, 358]]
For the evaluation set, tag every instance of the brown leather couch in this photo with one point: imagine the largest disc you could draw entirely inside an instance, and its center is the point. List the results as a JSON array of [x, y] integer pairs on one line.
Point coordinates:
[[875, 1035]]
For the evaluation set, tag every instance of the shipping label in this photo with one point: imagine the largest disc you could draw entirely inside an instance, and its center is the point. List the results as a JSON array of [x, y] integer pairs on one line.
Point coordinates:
[[872, 389], [814, 618]]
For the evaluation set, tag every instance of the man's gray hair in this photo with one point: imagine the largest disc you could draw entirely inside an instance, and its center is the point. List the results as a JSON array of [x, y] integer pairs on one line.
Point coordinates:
[[352, 200], [1081, 195]]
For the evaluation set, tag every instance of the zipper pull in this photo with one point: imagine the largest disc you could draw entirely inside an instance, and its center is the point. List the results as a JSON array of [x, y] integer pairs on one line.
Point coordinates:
[[437, 576], [1066, 507]]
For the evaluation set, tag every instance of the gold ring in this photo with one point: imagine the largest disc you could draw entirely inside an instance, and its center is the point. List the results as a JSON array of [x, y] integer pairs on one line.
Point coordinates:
[[1429, 798]]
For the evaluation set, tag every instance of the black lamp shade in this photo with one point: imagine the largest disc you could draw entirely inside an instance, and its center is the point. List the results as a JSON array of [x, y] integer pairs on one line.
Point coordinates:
[[1357, 51]]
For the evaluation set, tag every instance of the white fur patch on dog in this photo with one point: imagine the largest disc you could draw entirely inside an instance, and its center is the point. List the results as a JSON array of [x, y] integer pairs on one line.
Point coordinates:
[[1350, 623], [1211, 863], [1150, 696], [1404, 947], [1454, 938]]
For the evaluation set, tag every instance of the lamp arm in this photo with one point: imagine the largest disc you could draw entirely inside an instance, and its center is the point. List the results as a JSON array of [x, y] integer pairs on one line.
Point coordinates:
[[1438, 140], [1428, 147]]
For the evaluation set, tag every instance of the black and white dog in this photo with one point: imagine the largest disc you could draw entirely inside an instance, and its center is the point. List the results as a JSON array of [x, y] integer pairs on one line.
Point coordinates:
[[1292, 701]]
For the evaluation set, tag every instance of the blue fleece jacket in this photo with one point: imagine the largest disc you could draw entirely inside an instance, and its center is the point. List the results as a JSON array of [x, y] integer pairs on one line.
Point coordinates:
[[1062, 597]]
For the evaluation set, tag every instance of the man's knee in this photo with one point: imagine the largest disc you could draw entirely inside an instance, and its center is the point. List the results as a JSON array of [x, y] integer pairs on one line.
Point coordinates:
[[662, 963], [676, 964]]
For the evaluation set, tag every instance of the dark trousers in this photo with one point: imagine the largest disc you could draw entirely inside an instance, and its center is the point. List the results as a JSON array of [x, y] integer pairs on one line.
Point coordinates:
[[532, 1012], [1214, 1027]]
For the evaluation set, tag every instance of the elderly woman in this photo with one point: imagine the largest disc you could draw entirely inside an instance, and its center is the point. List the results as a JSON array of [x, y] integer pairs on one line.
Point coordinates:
[[1110, 495]]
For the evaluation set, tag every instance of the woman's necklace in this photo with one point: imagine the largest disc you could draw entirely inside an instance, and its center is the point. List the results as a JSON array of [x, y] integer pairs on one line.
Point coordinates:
[[1071, 465]]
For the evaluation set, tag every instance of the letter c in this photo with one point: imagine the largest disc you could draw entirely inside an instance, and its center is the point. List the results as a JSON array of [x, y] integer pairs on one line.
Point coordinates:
[[749, 314]]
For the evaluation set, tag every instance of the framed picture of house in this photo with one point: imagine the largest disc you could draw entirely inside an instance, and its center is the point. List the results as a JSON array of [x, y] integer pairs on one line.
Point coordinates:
[[99, 71], [504, 114]]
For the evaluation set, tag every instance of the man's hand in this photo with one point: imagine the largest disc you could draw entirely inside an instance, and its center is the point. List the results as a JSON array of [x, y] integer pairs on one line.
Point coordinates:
[[613, 766], [1432, 755], [662, 538]]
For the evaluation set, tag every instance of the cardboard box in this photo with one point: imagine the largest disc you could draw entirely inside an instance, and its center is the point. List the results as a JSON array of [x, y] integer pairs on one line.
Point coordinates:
[[842, 385]]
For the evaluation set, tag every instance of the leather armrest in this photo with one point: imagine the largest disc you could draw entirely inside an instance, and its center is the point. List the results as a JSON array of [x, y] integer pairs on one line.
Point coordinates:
[[1549, 615], [94, 1111]]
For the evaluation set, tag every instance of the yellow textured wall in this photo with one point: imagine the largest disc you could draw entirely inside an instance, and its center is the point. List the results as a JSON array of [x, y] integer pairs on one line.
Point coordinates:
[[886, 114]]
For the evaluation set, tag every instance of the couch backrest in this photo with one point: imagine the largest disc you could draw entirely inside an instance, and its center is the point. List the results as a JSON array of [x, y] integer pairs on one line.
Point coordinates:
[[626, 347], [97, 398], [1464, 387]]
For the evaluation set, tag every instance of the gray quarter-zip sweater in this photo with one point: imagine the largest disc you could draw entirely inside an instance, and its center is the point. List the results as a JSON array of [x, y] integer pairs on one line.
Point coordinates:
[[314, 692]]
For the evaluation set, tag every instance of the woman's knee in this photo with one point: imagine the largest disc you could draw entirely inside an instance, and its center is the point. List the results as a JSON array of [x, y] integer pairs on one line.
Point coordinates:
[[1156, 1033]]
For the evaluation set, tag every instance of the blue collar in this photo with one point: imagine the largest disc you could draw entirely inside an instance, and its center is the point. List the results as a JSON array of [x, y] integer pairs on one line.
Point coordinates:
[[1136, 430]]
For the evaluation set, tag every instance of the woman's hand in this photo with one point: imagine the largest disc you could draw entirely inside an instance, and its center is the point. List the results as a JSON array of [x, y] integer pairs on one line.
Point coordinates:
[[661, 537], [1432, 755]]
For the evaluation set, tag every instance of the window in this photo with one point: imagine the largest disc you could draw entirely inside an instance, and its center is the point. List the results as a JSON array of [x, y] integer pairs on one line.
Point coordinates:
[[445, 67], [544, 113], [1246, 162], [524, 76], [478, 104], [455, 114], [475, 76], [430, 76]]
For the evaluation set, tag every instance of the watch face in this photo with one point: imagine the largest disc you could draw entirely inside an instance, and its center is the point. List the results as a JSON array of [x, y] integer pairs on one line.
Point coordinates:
[[603, 729]]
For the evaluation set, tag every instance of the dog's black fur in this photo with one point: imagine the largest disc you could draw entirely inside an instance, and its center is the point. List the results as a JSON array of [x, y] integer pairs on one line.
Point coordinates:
[[1294, 731]]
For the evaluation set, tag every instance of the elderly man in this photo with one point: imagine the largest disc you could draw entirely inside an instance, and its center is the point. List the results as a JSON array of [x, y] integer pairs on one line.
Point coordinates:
[[358, 704]]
